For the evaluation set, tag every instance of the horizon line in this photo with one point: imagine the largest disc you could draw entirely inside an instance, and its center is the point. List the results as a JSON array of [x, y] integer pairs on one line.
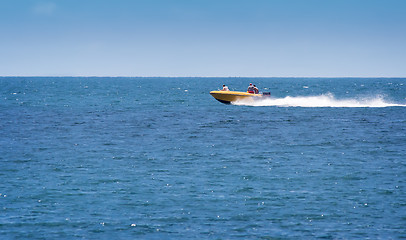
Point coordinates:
[[100, 76]]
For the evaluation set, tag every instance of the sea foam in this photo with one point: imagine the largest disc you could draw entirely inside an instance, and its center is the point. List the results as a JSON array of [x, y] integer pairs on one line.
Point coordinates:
[[323, 100]]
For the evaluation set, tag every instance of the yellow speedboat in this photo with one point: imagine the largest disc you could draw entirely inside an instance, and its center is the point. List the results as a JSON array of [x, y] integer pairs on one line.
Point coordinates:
[[228, 97]]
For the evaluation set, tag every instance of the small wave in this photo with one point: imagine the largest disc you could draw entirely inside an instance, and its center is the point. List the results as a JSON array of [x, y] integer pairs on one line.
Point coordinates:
[[324, 100]]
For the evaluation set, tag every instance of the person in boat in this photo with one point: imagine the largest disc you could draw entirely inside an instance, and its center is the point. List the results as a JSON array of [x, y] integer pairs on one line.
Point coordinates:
[[256, 90], [225, 88], [251, 88]]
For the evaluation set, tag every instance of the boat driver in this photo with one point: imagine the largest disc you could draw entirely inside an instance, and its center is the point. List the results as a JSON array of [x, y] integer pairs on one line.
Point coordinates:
[[251, 88]]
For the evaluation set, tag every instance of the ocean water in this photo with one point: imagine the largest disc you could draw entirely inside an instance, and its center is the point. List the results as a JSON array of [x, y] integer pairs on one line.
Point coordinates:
[[159, 158]]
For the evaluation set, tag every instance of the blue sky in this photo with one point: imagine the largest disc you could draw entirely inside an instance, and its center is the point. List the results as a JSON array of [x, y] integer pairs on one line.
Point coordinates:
[[242, 38]]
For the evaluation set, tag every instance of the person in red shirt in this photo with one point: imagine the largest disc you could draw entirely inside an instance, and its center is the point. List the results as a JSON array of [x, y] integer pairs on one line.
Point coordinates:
[[251, 88]]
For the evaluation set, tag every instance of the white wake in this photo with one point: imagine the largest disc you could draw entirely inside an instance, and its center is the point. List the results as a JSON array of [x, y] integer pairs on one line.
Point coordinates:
[[324, 100]]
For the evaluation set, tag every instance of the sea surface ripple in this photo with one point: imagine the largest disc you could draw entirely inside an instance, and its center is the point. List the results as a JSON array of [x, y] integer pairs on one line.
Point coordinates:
[[159, 158]]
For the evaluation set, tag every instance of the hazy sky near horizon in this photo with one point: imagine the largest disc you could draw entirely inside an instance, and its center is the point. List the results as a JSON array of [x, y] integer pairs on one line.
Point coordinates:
[[264, 38]]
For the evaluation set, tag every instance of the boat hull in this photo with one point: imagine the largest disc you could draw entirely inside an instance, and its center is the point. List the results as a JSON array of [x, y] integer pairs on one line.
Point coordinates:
[[227, 97]]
